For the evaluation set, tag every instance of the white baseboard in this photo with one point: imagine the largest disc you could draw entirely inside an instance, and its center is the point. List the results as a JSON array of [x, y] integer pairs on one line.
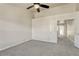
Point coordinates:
[[15, 44], [47, 41]]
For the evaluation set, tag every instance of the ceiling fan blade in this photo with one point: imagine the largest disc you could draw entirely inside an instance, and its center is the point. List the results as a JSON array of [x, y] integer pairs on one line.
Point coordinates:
[[36, 3], [38, 10], [44, 6], [30, 7]]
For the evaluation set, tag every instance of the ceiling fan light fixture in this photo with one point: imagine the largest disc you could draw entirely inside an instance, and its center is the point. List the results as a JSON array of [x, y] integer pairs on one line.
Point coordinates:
[[36, 6]]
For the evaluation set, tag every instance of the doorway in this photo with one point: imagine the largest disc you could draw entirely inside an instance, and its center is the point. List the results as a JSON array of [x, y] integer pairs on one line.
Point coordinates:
[[65, 29], [61, 29]]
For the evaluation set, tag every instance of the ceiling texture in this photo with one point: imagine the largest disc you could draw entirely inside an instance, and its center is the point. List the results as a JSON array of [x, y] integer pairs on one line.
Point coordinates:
[[52, 5], [25, 5]]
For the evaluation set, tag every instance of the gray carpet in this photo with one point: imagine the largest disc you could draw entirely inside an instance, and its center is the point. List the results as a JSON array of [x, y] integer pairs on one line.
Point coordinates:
[[39, 48]]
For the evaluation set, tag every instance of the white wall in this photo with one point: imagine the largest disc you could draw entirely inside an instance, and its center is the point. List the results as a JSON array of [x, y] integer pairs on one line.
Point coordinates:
[[41, 29], [15, 25], [76, 38]]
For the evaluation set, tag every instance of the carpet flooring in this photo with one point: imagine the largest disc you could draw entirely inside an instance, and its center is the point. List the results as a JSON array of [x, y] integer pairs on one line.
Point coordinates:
[[64, 47]]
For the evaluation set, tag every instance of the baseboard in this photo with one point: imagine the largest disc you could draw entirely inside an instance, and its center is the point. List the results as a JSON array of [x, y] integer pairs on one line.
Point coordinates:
[[15, 44], [47, 41]]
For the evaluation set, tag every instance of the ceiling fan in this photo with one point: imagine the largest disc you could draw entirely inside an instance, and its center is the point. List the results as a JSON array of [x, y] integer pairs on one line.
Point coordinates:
[[37, 6]]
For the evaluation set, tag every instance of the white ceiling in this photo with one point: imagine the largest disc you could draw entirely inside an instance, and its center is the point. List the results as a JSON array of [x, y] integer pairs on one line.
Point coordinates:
[[29, 4], [52, 5]]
